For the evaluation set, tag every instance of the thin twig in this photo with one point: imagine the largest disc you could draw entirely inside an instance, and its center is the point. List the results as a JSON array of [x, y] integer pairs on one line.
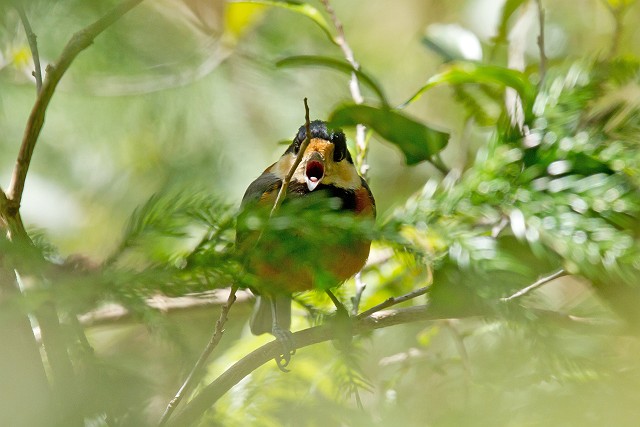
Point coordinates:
[[195, 372], [285, 183], [360, 288], [354, 87], [536, 285], [392, 301], [33, 45], [78, 42], [217, 335], [543, 56]]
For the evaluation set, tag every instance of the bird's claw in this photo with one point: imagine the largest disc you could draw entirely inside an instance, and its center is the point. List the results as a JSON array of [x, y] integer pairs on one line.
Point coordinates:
[[285, 338]]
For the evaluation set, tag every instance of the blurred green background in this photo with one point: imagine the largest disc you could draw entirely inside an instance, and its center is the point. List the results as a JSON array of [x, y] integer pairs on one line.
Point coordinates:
[[184, 97], [135, 114]]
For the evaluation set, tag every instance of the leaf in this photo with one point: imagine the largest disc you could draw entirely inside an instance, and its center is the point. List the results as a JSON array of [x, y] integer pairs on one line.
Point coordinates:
[[417, 141], [470, 73], [297, 7], [336, 64], [240, 17], [452, 42]]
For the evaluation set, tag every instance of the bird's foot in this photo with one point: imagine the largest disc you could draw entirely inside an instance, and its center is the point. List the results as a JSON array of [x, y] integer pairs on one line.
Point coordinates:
[[285, 338]]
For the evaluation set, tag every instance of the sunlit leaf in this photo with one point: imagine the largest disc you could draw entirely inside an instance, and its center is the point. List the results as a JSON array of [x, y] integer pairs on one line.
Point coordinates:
[[470, 73], [416, 141], [240, 16], [298, 7], [336, 64]]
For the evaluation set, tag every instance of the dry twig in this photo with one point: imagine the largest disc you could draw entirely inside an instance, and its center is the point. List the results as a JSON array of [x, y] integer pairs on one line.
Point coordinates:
[[33, 45], [78, 42], [543, 56], [536, 285], [362, 146]]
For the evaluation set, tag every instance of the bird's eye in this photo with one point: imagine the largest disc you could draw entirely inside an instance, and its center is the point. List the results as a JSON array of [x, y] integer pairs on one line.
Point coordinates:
[[340, 146]]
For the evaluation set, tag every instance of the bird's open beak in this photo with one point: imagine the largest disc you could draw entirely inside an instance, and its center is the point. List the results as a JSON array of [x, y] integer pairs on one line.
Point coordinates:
[[314, 170]]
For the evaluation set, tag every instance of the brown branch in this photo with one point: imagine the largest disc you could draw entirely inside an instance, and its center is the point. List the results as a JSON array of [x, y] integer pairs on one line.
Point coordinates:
[[541, 282], [212, 392], [78, 42], [195, 372], [33, 45], [393, 301], [4, 206], [115, 313]]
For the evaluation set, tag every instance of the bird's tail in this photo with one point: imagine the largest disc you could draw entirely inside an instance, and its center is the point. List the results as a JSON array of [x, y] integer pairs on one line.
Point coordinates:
[[261, 319]]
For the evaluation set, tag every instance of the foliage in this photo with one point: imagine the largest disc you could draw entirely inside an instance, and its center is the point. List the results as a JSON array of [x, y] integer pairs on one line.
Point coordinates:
[[553, 189]]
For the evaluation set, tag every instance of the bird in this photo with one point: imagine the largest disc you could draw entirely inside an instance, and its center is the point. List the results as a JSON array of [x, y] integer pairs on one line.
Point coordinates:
[[297, 261]]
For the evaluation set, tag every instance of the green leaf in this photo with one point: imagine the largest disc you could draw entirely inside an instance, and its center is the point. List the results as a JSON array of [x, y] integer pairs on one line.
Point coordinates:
[[471, 73], [417, 141], [336, 64], [298, 7]]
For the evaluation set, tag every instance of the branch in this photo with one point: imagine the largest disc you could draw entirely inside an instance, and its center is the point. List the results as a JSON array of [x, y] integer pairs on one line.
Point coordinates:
[[212, 392], [362, 145], [536, 285], [285, 183], [114, 313], [211, 345], [543, 56], [4, 206], [33, 45], [392, 301], [78, 42]]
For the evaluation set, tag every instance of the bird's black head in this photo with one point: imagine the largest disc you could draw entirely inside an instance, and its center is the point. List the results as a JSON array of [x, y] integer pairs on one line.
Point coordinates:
[[318, 129]]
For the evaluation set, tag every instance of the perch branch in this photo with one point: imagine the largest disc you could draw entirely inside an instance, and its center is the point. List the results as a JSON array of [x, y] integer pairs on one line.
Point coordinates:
[[78, 42], [541, 282], [212, 392]]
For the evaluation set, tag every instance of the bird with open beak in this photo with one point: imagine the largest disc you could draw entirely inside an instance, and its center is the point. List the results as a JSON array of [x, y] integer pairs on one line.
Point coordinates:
[[325, 172]]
